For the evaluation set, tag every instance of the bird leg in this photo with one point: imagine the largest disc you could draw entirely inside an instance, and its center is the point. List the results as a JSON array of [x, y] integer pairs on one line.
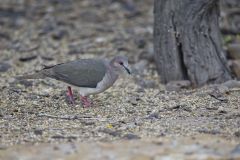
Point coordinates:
[[85, 101], [70, 95]]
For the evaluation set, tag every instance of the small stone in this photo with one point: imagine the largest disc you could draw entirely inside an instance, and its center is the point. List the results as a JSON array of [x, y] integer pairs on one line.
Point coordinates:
[[58, 137], [26, 83], [140, 90], [139, 122], [75, 49], [177, 85], [89, 16], [110, 132], [234, 50], [212, 107], [47, 28], [27, 58], [59, 34], [217, 94], [131, 111], [133, 100], [150, 84], [47, 58], [146, 83], [222, 110], [237, 133], [88, 123], [131, 136], [207, 131], [100, 39], [141, 43], [187, 108], [38, 131], [4, 67], [235, 66], [56, 97], [231, 84], [154, 115], [180, 106]]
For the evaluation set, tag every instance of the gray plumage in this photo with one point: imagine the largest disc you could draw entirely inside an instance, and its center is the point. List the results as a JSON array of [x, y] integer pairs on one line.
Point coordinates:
[[91, 75], [80, 73]]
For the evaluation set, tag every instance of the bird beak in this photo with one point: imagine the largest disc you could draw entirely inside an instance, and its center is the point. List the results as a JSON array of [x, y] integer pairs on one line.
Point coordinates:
[[127, 69]]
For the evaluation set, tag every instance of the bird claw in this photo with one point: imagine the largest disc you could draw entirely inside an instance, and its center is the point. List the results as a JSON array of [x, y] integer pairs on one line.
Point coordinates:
[[70, 95], [71, 100], [85, 101]]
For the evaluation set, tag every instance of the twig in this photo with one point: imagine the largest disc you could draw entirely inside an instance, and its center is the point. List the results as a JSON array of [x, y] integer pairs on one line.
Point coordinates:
[[222, 99], [69, 117], [32, 48]]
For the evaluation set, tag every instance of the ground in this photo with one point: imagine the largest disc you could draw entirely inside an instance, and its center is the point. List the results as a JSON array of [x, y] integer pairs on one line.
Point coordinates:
[[137, 107]]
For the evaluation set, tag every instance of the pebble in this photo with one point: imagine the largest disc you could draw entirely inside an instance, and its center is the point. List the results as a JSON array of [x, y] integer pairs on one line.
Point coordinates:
[[26, 83], [59, 34], [237, 133], [110, 132], [27, 58], [75, 49], [38, 131], [130, 136], [133, 100], [222, 110], [146, 83], [177, 85], [212, 107], [208, 131], [47, 58], [154, 115], [235, 67], [231, 84], [4, 67], [234, 50], [140, 42], [181, 106]]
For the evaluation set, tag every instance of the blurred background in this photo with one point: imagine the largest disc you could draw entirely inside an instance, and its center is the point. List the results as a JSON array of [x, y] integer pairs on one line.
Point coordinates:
[[46, 32], [34, 33], [230, 28]]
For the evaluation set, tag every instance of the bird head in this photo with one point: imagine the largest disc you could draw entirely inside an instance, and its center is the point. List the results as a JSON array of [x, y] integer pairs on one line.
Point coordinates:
[[120, 64]]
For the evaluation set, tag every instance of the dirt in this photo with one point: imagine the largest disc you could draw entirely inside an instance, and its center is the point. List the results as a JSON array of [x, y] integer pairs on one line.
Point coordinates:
[[137, 107], [161, 148]]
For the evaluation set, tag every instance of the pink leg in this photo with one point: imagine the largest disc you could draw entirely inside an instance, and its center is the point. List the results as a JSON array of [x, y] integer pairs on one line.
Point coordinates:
[[85, 101], [70, 95]]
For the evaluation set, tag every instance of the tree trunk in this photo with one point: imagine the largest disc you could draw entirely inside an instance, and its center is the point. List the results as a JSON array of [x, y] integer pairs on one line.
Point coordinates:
[[187, 42]]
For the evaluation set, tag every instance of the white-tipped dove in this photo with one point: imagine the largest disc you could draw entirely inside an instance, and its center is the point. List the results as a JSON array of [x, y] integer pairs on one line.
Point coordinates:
[[93, 76]]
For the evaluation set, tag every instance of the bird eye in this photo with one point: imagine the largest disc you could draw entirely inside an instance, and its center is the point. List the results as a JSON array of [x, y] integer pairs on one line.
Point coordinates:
[[121, 63]]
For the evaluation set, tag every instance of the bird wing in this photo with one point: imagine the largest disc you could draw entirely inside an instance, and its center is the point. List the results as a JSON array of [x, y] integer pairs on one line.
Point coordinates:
[[81, 73]]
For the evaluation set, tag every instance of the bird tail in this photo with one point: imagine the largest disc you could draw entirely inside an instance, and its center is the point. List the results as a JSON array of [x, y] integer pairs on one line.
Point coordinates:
[[31, 76]]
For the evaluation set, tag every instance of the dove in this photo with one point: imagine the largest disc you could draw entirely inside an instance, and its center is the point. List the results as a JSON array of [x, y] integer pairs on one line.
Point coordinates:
[[92, 76]]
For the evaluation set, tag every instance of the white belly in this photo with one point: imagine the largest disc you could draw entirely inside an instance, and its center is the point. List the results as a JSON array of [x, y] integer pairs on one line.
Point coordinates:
[[103, 85]]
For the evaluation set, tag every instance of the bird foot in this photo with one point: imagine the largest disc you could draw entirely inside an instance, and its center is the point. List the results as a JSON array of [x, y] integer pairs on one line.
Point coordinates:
[[70, 95], [85, 101]]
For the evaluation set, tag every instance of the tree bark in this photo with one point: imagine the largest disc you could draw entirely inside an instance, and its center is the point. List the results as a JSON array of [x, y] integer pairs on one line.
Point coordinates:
[[187, 42]]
